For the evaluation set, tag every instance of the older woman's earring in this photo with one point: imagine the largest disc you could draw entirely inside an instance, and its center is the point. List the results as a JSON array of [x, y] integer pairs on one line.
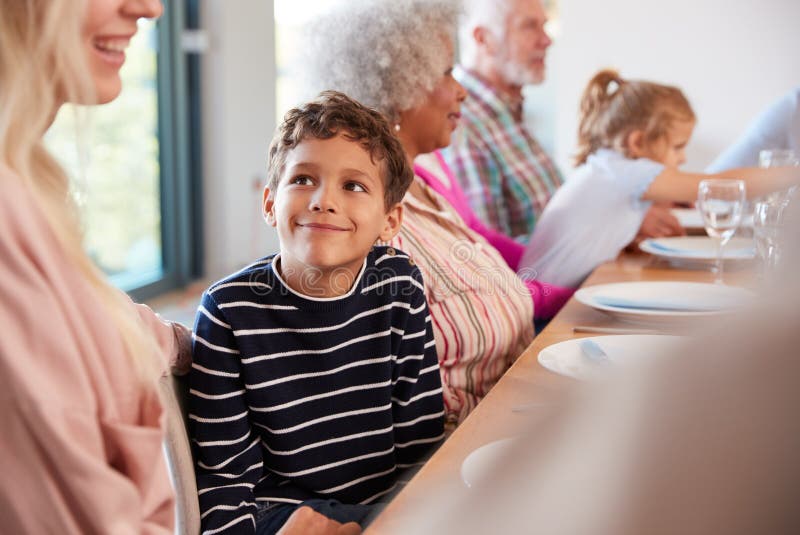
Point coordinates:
[[396, 127]]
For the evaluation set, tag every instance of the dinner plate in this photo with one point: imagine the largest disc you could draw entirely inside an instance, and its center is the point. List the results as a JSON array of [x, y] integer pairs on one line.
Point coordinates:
[[569, 358], [700, 251], [479, 464], [691, 218], [660, 302]]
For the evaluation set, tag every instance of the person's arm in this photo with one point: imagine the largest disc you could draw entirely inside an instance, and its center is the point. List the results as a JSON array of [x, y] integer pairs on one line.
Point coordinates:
[[510, 249], [57, 455], [548, 298], [770, 130], [417, 403], [658, 222], [228, 461], [306, 521], [69, 464], [675, 185], [173, 338]]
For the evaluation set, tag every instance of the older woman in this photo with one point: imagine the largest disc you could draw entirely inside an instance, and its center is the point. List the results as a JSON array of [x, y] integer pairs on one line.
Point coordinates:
[[397, 55]]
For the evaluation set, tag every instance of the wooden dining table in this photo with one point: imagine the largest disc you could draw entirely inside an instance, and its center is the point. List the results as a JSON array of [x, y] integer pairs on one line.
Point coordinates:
[[528, 387]]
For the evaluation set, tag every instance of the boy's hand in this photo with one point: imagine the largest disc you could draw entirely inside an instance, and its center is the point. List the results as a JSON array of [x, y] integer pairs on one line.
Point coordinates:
[[306, 521]]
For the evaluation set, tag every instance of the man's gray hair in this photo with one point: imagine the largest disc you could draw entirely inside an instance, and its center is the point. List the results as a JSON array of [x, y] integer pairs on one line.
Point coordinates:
[[490, 14], [387, 54]]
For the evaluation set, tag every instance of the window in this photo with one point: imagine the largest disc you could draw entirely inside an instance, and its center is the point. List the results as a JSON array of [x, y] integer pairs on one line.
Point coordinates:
[[128, 161], [290, 17]]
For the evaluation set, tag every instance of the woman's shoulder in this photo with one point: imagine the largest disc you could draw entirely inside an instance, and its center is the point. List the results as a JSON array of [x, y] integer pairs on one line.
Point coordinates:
[[54, 325], [34, 278], [23, 227]]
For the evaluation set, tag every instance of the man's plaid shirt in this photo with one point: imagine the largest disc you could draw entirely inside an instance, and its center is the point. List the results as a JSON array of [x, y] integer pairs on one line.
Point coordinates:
[[507, 177]]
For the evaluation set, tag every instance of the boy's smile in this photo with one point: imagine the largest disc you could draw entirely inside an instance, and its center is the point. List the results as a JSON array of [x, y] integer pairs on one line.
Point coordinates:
[[328, 210]]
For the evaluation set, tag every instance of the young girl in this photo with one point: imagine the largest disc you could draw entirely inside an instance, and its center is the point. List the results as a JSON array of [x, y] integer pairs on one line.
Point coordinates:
[[631, 138]]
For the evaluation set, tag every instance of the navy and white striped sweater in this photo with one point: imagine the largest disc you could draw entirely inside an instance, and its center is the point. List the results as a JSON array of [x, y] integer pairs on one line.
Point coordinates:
[[295, 398]]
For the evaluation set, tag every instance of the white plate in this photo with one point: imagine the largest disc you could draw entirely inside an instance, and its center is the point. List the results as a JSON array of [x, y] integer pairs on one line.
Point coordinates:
[[567, 358], [691, 218], [700, 300], [698, 250], [479, 464]]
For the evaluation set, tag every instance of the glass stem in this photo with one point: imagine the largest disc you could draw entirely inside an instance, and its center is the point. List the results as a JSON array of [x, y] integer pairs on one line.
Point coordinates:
[[720, 244]]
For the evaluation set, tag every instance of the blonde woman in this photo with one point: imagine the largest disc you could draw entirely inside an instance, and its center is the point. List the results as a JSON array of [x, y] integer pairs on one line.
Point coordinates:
[[79, 361], [81, 438]]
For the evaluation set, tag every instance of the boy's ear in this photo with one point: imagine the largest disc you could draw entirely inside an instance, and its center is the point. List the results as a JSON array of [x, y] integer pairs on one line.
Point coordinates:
[[392, 222], [268, 207], [634, 144]]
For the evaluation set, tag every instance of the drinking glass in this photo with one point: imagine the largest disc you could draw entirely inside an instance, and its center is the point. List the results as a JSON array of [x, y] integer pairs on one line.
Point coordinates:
[[721, 203], [768, 219], [779, 158]]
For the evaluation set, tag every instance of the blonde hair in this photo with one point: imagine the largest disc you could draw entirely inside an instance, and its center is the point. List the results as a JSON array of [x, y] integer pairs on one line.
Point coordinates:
[[612, 107], [42, 65]]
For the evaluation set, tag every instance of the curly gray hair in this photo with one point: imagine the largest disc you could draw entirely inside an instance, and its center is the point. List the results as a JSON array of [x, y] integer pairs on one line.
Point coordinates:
[[387, 54]]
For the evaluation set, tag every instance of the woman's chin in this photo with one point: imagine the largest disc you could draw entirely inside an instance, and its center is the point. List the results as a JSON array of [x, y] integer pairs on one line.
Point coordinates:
[[107, 91]]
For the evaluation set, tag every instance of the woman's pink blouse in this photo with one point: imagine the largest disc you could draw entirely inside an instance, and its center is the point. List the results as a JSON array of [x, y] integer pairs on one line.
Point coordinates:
[[82, 437]]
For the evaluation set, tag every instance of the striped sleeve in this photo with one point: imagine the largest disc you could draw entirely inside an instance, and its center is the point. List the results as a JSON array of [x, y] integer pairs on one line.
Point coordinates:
[[417, 403], [228, 460]]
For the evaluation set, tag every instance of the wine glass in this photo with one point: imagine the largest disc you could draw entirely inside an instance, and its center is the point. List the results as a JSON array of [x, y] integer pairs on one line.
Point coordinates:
[[779, 158], [721, 203], [768, 219]]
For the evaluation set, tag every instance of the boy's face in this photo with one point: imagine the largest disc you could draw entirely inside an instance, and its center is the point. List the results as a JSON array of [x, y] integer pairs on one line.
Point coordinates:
[[328, 208]]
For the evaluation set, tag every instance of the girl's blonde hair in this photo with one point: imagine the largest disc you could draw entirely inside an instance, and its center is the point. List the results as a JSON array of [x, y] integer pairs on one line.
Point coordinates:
[[612, 108], [42, 65]]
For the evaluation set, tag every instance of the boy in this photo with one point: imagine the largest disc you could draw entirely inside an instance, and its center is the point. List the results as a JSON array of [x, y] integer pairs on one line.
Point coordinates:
[[315, 377]]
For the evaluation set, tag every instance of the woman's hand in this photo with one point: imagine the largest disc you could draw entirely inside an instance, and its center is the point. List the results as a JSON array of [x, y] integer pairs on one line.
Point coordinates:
[[306, 521], [183, 349]]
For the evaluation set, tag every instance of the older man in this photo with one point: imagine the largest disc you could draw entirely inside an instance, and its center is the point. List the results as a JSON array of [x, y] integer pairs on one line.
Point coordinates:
[[506, 175]]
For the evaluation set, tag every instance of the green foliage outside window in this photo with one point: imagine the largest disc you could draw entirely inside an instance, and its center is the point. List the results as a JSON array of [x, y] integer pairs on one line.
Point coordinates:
[[112, 154]]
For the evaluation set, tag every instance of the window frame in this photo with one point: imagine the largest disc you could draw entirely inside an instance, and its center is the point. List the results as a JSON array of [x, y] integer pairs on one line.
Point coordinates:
[[179, 155]]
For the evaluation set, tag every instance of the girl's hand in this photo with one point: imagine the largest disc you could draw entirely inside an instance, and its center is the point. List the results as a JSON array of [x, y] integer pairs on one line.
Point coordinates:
[[658, 223]]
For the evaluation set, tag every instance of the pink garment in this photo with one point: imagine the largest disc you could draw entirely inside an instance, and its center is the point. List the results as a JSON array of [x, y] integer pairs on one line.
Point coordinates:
[[82, 437], [547, 298]]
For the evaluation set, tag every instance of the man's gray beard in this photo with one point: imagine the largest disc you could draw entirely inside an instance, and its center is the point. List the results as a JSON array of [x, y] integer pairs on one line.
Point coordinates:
[[516, 74]]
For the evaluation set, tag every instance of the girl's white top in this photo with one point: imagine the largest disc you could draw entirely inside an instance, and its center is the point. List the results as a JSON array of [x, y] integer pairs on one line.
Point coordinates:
[[590, 219]]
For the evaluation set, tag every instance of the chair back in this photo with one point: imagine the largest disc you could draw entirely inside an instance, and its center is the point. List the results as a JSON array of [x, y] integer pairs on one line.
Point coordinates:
[[175, 395]]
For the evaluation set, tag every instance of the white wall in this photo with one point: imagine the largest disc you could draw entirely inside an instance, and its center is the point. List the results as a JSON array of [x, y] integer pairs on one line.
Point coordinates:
[[238, 122], [731, 58]]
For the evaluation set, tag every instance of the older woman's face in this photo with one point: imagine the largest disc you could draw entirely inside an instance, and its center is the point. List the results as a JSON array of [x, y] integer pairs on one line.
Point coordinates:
[[107, 31], [428, 126]]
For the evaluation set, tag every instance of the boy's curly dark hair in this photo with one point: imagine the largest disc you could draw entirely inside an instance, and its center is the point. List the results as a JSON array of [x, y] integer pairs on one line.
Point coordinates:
[[334, 113]]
